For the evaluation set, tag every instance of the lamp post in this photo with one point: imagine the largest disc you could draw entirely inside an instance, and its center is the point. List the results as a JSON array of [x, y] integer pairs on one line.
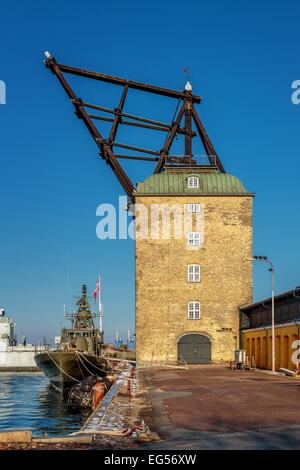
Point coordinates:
[[264, 258]]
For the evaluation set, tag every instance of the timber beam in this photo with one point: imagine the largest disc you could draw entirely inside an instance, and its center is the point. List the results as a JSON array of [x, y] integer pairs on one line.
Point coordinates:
[[123, 82], [117, 117]]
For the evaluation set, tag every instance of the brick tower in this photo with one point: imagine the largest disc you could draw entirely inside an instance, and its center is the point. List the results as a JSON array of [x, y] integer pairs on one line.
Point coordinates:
[[189, 289]]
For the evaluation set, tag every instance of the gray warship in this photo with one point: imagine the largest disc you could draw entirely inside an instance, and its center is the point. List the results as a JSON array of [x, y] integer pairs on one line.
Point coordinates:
[[80, 353]]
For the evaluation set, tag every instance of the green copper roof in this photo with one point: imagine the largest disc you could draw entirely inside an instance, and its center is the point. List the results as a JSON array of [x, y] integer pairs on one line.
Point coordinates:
[[176, 183]]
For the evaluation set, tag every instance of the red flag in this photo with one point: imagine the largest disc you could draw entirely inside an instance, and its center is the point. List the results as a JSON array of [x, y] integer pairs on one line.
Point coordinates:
[[97, 290]]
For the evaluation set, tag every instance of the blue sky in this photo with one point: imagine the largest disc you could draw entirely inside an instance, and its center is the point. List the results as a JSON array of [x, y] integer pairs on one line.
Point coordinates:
[[243, 58]]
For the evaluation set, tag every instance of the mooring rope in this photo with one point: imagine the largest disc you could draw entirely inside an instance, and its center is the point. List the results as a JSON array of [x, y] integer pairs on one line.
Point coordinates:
[[79, 365], [64, 372], [82, 355], [76, 353]]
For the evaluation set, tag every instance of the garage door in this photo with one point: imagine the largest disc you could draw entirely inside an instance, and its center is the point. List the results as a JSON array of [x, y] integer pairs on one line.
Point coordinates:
[[194, 349]]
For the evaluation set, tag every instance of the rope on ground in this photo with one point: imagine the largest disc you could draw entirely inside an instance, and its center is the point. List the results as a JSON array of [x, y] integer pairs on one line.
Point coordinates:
[[142, 428]]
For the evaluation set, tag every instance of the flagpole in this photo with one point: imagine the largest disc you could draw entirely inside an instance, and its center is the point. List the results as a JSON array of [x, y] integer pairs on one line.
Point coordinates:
[[100, 310]]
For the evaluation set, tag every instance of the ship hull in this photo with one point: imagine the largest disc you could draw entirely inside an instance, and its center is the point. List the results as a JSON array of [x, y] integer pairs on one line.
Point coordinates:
[[65, 369]]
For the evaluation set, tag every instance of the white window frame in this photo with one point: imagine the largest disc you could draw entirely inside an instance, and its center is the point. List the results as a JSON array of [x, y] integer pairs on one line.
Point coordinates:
[[194, 239], [194, 310], [193, 182], [193, 208], [194, 273]]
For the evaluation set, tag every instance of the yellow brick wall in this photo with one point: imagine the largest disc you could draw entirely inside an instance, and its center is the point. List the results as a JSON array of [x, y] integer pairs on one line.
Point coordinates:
[[258, 344], [162, 289]]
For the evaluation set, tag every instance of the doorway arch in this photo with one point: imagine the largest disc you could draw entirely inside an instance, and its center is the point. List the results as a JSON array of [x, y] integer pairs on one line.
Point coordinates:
[[194, 348]]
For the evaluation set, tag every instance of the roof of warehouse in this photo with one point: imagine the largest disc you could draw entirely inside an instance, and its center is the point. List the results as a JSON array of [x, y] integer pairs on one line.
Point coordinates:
[[279, 296]]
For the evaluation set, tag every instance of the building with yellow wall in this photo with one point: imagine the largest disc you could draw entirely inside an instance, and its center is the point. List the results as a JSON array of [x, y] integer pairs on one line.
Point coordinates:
[[189, 285], [256, 330]]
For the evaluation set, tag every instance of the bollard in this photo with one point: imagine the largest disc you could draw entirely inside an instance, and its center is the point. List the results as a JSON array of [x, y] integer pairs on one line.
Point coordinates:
[[99, 392], [128, 388], [110, 378]]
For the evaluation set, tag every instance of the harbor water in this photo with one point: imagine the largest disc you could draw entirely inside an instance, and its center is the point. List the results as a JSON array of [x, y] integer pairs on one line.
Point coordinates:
[[28, 401]]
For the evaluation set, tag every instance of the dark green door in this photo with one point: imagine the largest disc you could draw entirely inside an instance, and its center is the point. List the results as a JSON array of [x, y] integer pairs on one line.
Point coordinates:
[[194, 349]]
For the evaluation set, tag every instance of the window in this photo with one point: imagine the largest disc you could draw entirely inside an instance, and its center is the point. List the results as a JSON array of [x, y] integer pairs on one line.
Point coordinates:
[[194, 273], [193, 182], [193, 207], [194, 238], [194, 311]]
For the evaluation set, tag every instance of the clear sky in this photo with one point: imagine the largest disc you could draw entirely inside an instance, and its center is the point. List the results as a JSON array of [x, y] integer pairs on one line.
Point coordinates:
[[243, 58]]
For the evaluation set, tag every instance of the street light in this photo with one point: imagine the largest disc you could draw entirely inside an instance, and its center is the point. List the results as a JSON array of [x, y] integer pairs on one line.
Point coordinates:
[[264, 258]]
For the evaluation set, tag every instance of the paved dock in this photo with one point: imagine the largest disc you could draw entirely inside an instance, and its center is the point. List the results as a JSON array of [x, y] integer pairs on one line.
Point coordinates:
[[211, 407]]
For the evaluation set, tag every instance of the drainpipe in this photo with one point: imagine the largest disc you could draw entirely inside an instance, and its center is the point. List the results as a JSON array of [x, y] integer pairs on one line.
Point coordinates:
[[267, 362]]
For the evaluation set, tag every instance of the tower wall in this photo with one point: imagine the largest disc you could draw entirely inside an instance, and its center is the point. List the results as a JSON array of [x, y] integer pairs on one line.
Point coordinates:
[[162, 288]]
